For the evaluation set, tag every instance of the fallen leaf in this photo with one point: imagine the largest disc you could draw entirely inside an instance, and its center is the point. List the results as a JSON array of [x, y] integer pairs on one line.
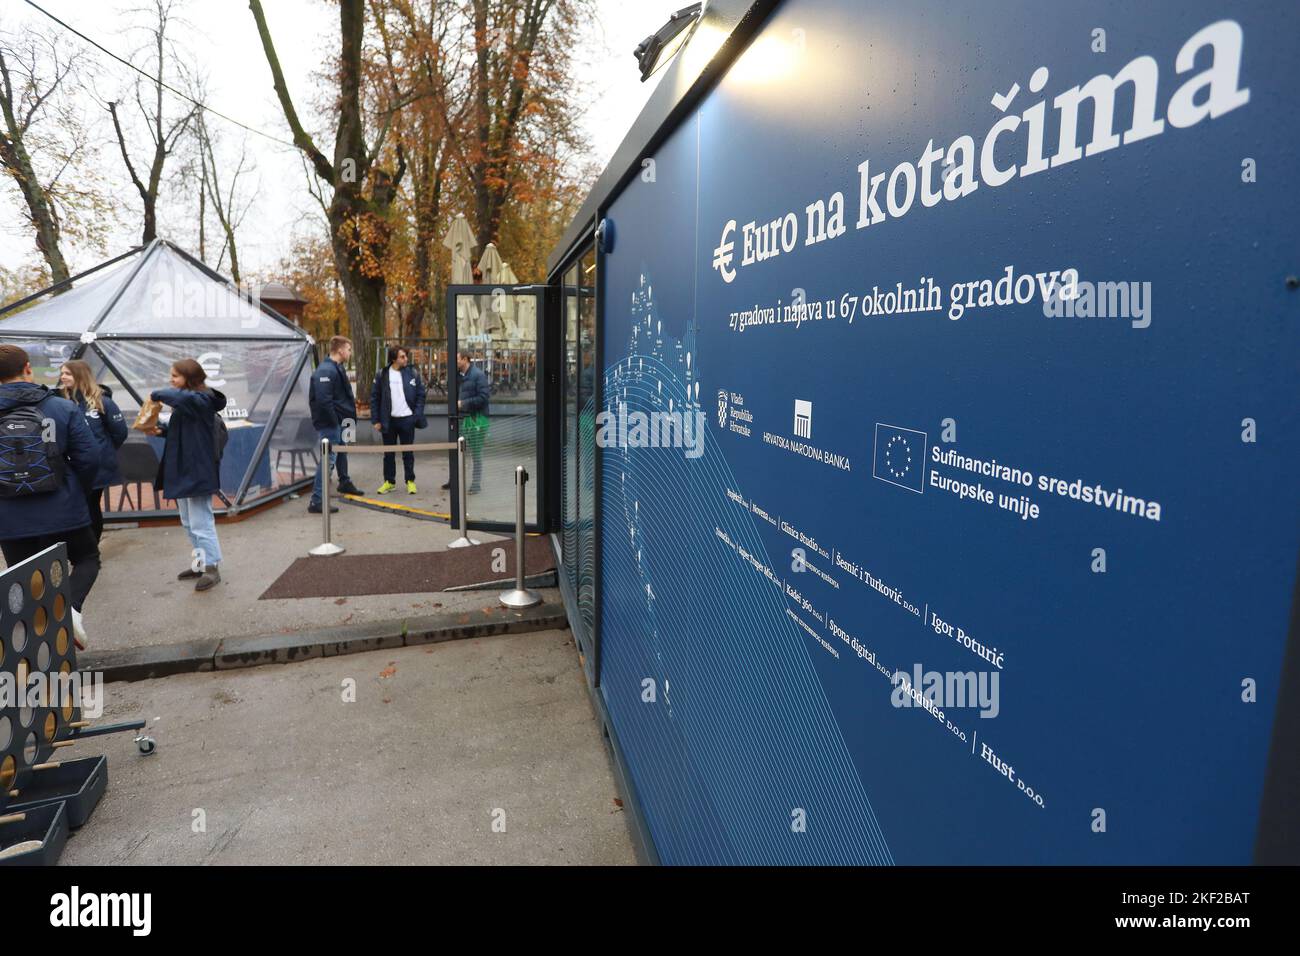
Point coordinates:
[[388, 671], [341, 600]]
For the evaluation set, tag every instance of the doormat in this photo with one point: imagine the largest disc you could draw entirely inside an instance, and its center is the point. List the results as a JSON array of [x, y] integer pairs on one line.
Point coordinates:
[[352, 575]]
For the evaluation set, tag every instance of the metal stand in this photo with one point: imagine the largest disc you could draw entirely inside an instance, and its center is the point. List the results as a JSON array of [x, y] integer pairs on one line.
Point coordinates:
[[519, 596], [464, 541], [146, 743], [326, 548]]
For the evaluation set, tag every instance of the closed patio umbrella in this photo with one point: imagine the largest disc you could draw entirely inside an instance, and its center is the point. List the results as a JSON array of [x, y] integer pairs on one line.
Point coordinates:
[[460, 240], [490, 266]]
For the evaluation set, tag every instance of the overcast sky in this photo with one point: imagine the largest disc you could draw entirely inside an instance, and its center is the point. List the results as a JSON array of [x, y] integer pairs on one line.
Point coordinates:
[[222, 39]]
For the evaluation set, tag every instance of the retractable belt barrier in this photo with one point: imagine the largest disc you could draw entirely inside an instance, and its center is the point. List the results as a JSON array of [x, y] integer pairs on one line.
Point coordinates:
[[519, 596], [327, 547]]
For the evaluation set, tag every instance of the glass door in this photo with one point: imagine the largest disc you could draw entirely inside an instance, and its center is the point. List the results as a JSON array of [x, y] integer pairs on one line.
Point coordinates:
[[577, 469], [495, 379]]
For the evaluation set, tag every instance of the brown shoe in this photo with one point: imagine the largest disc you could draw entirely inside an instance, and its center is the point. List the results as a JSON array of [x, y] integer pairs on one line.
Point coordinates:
[[189, 574], [211, 576]]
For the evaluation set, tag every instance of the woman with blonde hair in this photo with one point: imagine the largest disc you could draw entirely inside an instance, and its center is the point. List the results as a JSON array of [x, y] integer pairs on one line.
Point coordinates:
[[77, 384]]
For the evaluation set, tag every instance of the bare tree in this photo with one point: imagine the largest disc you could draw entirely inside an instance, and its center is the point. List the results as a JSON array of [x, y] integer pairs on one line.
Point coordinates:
[[228, 205], [163, 134]]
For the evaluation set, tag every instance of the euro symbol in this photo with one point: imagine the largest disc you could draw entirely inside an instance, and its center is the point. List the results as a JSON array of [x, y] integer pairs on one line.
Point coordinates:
[[722, 256]]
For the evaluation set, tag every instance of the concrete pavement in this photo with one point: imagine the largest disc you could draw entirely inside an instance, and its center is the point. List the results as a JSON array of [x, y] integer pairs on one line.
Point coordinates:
[[270, 765]]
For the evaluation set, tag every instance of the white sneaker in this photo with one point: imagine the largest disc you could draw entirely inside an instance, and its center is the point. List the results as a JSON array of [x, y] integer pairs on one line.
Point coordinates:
[[78, 632]]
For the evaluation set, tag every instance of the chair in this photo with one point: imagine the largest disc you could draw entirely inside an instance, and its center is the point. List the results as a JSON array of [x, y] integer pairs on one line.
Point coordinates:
[[302, 446], [139, 464]]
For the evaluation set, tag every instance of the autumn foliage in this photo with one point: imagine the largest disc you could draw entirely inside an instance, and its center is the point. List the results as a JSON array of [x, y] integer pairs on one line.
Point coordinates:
[[440, 109]]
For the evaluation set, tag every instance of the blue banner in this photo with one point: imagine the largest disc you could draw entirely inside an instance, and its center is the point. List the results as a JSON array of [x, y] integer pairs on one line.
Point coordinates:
[[989, 551]]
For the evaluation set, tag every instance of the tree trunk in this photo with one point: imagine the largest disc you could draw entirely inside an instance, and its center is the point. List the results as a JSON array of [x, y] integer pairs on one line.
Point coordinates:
[[358, 230], [203, 252], [498, 107], [364, 295], [415, 318], [15, 158]]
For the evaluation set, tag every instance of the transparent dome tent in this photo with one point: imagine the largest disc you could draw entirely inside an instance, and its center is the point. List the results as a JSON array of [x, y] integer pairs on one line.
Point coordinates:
[[130, 319]]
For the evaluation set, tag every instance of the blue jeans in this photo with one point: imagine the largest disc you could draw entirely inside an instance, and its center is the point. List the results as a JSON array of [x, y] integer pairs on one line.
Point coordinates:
[[201, 525], [335, 435]]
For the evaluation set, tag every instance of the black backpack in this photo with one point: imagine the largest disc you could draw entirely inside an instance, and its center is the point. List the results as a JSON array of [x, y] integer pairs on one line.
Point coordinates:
[[220, 435], [29, 465]]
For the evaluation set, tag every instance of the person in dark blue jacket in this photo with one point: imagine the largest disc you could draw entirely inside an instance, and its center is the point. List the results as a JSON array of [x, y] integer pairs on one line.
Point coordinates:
[[333, 412], [77, 384], [473, 393], [33, 517], [190, 469], [397, 410]]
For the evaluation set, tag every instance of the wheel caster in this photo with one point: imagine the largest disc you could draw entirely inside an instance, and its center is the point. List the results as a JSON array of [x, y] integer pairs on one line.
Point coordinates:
[[147, 745]]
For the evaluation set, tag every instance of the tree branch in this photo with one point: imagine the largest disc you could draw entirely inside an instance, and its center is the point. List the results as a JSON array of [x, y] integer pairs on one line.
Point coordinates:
[[323, 167], [126, 157]]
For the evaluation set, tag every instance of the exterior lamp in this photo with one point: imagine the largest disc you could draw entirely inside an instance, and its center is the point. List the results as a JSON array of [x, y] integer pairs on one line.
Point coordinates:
[[662, 45]]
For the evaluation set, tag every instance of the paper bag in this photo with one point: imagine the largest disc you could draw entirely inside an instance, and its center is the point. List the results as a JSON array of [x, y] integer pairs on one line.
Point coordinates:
[[147, 419]]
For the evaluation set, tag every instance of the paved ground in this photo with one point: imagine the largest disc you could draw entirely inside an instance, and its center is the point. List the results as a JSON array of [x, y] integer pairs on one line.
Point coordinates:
[[137, 600], [438, 740], [441, 742]]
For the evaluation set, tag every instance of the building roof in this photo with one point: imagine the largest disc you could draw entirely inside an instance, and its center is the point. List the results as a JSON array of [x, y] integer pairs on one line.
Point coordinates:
[[278, 292], [153, 291]]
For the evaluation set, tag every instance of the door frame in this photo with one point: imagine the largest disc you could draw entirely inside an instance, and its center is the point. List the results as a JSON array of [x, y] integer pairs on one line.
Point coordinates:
[[541, 481]]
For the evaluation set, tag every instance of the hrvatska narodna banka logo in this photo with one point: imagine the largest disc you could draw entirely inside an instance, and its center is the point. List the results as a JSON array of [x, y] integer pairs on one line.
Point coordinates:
[[947, 174]]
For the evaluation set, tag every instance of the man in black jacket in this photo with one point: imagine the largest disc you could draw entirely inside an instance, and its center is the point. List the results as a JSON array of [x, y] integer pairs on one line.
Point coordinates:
[[42, 501], [333, 411], [397, 410]]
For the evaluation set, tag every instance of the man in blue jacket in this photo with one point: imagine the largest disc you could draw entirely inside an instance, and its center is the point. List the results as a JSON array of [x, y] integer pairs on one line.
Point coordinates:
[[333, 409], [41, 480], [397, 410], [472, 404]]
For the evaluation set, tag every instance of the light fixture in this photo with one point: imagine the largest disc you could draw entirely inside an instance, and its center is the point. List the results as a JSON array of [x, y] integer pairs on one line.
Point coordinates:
[[663, 44]]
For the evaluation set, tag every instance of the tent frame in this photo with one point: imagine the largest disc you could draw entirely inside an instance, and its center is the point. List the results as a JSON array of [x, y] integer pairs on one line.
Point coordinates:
[[88, 340]]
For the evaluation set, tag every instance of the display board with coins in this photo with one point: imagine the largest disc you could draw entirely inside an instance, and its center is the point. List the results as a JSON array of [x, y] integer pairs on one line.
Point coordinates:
[[36, 640]]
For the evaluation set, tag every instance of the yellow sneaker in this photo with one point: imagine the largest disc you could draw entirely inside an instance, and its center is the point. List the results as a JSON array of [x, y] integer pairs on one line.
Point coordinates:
[[410, 488], [386, 487]]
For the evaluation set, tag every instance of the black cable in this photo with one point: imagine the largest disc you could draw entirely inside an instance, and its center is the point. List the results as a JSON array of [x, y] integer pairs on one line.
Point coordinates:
[[167, 86]]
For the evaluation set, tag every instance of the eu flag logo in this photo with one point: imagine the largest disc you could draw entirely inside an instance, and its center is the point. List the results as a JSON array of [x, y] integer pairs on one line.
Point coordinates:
[[900, 456]]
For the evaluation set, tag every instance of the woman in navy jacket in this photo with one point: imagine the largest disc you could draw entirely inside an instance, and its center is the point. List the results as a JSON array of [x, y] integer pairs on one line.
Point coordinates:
[[77, 384], [189, 471]]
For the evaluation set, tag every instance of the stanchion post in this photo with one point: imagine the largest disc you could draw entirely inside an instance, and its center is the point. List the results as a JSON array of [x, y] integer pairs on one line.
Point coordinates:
[[519, 596], [464, 541], [327, 547]]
